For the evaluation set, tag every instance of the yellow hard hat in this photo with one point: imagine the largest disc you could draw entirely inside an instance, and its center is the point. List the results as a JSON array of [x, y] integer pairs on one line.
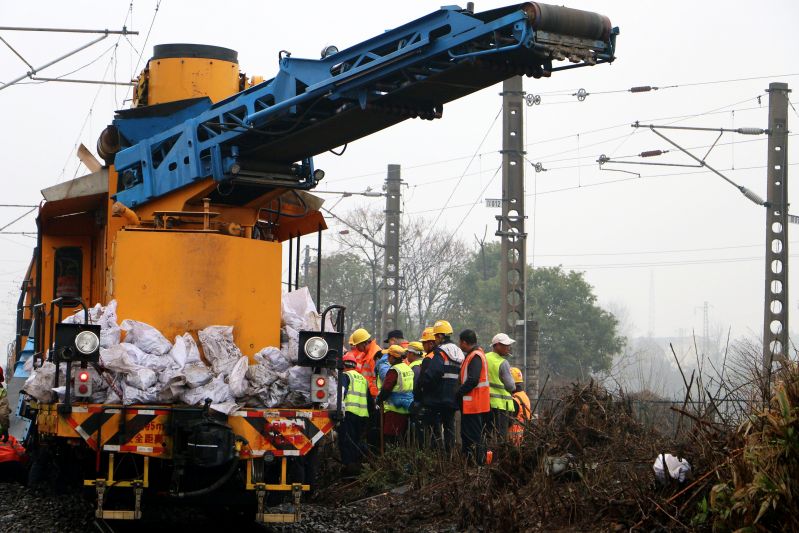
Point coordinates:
[[359, 335], [517, 375], [442, 326], [416, 345], [427, 335], [395, 350], [350, 341]]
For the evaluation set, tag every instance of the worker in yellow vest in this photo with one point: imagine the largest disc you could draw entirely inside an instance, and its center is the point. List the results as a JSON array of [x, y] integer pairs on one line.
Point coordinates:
[[501, 384], [414, 355], [355, 394], [521, 408], [396, 396]]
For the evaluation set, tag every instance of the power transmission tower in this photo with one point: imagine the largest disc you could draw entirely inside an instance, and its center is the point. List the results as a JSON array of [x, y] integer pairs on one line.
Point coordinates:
[[513, 269], [775, 323], [392, 282]]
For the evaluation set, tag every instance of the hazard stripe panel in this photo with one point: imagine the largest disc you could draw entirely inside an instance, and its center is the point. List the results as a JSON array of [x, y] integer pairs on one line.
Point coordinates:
[[140, 430]]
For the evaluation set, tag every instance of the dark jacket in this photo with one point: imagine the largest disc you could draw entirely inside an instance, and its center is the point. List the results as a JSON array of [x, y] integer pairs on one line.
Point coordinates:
[[440, 381]]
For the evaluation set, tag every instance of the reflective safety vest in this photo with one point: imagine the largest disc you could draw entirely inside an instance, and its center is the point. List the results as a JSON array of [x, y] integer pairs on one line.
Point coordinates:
[[355, 399], [415, 363], [403, 390], [516, 430], [500, 398], [368, 366], [477, 400]]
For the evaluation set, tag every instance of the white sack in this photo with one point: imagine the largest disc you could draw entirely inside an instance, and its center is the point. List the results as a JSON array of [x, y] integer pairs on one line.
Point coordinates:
[[219, 348], [146, 337], [142, 378], [238, 377], [299, 381], [273, 358], [133, 395], [196, 375], [290, 346], [117, 359], [225, 407], [217, 390], [678, 469], [106, 317], [40, 383], [153, 362]]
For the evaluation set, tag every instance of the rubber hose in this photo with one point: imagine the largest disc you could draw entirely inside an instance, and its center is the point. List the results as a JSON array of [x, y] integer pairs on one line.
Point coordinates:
[[213, 486]]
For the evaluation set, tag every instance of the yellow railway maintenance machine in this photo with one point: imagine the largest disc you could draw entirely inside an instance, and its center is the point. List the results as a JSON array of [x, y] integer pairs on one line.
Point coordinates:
[[202, 181]]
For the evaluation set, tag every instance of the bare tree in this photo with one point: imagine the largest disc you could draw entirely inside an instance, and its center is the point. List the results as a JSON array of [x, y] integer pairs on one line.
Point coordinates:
[[430, 266]]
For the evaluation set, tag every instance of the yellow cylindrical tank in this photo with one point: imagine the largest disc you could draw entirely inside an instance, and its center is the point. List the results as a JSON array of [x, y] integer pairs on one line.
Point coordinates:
[[182, 71]]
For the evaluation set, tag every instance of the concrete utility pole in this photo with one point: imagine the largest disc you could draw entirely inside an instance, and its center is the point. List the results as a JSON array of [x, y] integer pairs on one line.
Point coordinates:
[[775, 323], [392, 281], [306, 263], [513, 269]]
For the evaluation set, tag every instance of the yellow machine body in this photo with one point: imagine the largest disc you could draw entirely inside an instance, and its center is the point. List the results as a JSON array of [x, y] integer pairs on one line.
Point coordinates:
[[179, 78]]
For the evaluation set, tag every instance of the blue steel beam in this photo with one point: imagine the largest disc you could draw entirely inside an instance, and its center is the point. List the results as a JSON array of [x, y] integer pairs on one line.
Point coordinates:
[[267, 135]]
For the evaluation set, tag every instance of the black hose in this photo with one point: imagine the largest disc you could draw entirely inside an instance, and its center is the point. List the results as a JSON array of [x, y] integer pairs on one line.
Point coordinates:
[[234, 463]]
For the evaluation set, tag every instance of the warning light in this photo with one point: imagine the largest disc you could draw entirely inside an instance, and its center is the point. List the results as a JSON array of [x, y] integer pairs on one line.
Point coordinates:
[[319, 391], [83, 384]]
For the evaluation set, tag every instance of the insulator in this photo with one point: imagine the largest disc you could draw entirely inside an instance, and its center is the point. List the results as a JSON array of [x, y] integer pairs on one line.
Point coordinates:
[[753, 196], [751, 131], [651, 153], [641, 89]]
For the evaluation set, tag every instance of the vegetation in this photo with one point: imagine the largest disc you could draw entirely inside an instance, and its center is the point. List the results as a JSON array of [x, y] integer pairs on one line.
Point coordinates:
[[448, 280]]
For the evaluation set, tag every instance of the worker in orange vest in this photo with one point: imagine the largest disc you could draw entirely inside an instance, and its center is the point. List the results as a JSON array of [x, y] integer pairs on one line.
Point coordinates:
[[368, 351], [522, 411], [474, 397]]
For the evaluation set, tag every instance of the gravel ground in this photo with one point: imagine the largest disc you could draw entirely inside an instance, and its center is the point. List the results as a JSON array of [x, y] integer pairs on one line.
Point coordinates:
[[22, 510]]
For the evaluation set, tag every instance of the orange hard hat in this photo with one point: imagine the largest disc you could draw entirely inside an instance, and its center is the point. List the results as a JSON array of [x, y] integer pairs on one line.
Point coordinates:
[[349, 357]]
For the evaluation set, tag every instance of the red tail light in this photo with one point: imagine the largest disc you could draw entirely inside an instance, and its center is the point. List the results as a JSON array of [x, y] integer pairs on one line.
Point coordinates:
[[83, 377]]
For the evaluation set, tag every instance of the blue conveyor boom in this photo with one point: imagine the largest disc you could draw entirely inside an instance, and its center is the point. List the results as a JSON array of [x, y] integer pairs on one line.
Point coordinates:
[[267, 135]]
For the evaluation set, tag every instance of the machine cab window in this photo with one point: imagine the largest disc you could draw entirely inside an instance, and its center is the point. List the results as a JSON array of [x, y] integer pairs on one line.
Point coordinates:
[[68, 272]]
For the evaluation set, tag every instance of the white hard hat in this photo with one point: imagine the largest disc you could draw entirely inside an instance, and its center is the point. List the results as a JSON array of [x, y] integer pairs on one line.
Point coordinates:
[[501, 338]]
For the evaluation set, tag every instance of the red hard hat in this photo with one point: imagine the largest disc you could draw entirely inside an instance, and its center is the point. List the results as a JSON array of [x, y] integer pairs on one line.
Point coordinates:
[[349, 357]]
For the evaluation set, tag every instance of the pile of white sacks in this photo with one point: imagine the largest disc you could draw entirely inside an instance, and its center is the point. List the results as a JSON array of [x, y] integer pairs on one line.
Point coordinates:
[[144, 367]]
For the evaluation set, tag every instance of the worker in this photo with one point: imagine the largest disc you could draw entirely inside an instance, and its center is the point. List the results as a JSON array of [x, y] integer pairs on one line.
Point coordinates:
[[396, 396], [414, 355], [5, 411], [502, 386], [428, 342], [439, 382], [395, 336], [521, 408], [12, 455], [473, 397], [355, 392], [368, 353], [354, 353]]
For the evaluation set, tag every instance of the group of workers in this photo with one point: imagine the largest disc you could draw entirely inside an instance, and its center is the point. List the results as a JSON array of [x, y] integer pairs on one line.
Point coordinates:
[[411, 392], [12, 455]]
